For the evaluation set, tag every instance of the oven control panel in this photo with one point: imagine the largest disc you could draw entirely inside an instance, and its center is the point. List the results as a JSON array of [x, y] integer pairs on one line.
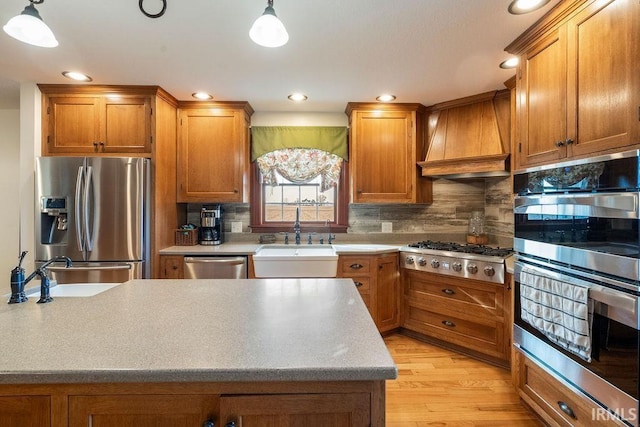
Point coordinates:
[[488, 271]]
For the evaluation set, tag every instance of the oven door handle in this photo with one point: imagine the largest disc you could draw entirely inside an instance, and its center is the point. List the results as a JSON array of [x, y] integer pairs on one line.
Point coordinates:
[[606, 205]]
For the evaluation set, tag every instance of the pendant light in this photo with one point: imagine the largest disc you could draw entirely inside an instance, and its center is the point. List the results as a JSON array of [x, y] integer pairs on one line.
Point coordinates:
[[268, 30], [28, 27]]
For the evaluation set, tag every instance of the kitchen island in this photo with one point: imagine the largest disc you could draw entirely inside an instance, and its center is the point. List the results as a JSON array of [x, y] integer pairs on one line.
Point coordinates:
[[167, 352]]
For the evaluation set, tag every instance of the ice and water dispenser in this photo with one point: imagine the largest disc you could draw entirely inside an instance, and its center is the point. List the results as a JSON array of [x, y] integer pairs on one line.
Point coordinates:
[[53, 220]]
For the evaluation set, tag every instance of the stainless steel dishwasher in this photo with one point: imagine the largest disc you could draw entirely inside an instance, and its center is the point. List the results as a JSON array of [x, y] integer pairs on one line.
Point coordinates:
[[218, 267]]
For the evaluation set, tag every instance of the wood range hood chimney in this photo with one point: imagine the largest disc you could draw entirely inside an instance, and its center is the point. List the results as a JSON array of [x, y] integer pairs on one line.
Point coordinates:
[[469, 137]]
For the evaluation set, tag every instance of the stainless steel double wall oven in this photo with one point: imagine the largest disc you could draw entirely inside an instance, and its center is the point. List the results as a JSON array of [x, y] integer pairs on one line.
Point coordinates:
[[577, 227]]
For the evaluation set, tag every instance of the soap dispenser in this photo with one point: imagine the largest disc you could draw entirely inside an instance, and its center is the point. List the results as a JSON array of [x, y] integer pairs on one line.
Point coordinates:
[[17, 282]]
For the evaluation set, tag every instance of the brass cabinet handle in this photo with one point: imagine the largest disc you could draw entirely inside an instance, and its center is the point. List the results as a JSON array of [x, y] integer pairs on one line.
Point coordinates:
[[448, 323], [356, 266], [567, 409], [449, 291]]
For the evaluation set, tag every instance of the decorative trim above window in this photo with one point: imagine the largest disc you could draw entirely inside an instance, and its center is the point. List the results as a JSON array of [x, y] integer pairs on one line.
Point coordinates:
[[300, 165], [332, 139]]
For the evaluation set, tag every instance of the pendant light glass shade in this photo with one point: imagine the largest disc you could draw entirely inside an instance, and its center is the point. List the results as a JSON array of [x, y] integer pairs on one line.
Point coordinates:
[[268, 30], [29, 28]]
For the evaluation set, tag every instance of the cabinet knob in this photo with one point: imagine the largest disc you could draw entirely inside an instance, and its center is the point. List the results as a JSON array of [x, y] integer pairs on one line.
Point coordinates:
[[359, 191], [567, 409], [559, 143], [358, 284], [208, 423], [235, 190], [230, 424], [174, 267], [356, 266], [448, 323], [569, 141], [449, 291]]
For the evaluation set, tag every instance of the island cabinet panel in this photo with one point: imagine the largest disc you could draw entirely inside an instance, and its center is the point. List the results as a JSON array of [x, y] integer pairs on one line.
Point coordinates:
[[386, 142], [555, 402], [577, 90], [213, 154], [377, 279], [468, 315], [330, 410], [141, 410], [171, 267], [25, 411], [80, 122]]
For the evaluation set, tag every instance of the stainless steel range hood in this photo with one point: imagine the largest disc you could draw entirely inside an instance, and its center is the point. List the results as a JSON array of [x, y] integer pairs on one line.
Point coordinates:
[[469, 137]]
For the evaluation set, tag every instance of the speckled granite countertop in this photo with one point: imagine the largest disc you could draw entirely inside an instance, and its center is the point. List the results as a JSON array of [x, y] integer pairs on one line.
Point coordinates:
[[250, 249], [196, 330]]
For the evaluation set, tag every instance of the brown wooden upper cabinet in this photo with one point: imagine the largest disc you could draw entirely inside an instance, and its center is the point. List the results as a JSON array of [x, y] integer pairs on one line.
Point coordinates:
[[578, 89], [96, 120], [213, 152], [386, 142]]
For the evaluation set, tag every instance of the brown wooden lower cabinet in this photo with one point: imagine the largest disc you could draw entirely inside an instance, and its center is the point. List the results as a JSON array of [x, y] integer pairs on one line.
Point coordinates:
[[377, 279], [331, 410], [556, 403], [468, 315], [258, 404], [25, 411]]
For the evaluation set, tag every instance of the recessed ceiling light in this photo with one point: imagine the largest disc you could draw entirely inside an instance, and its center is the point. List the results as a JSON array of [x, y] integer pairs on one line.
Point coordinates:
[[386, 98], [519, 7], [298, 97], [75, 75], [509, 63], [203, 96]]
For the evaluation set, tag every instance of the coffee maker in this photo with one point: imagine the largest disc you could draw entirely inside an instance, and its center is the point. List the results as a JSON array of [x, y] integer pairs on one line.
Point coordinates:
[[211, 231]]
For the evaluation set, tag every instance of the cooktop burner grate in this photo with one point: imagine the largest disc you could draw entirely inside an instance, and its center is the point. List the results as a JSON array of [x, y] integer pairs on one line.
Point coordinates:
[[462, 248]]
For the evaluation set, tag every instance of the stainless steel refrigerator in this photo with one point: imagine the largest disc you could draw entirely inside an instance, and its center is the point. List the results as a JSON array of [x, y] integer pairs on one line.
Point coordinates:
[[94, 210]]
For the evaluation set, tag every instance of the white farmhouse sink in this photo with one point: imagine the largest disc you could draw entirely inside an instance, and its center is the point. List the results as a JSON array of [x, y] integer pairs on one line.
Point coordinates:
[[74, 290], [295, 261]]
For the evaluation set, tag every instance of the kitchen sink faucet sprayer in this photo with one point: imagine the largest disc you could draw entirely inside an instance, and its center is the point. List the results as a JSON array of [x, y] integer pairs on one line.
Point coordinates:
[[18, 282], [296, 226]]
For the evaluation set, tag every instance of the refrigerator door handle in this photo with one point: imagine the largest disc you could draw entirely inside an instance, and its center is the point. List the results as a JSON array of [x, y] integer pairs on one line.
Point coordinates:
[[85, 220], [78, 205]]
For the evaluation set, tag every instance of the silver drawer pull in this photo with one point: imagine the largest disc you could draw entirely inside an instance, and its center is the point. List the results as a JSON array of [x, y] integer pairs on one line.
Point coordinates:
[[448, 323], [567, 409], [449, 291], [356, 266], [358, 284]]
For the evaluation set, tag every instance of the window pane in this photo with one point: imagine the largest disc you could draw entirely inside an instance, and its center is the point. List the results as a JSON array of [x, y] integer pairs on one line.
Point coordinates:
[[280, 202]]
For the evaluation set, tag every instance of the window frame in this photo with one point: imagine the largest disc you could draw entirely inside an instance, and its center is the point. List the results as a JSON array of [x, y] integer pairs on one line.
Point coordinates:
[[258, 225]]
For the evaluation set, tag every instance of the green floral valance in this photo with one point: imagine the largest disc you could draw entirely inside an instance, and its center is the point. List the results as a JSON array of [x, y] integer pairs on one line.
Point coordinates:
[[265, 139]]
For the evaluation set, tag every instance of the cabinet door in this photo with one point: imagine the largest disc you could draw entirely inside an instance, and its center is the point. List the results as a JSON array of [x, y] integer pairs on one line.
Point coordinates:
[[73, 125], [604, 100], [25, 411], [212, 156], [541, 105], [127, 125], [172, 267], [327, 410], [388, 293], [141, 410], [383, 153]]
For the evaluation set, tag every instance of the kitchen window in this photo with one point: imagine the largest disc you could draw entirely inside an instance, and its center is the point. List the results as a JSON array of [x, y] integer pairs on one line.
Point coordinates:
[[297, 169]]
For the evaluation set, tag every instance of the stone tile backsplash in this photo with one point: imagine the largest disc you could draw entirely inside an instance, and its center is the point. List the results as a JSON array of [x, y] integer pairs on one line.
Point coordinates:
[[448, 215]]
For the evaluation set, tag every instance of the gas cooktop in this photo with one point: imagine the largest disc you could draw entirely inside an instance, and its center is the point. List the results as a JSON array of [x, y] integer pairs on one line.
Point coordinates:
[[430, 246]]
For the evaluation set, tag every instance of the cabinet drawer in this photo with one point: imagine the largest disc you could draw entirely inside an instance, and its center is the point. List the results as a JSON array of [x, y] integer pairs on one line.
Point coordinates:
[[352, 265], [543, 390], [484, 335], [363, 284], [469, 297], [366, 298]]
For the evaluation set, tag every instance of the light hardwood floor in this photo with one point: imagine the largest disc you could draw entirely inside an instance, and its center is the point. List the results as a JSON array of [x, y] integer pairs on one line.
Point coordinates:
[[437, 387]]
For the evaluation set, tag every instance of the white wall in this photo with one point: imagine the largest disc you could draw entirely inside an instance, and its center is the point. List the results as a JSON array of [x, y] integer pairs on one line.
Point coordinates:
[[9, 194], [299, 119]]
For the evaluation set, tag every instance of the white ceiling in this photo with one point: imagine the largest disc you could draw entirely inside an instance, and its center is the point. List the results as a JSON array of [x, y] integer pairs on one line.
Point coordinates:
[[424, 51]]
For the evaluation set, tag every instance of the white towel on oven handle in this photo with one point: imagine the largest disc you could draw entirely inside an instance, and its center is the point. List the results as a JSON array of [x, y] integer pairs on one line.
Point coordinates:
[[562, 311]]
